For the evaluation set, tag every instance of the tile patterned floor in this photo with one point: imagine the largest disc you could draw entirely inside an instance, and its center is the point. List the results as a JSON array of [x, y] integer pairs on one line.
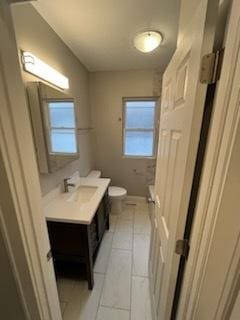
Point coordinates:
[[121, 273]]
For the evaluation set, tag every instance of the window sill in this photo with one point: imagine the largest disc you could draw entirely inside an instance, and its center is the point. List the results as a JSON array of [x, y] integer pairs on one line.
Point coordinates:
[[139, 157]]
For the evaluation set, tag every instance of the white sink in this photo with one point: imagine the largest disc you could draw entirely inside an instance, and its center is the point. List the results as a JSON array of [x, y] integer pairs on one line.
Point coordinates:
[[78, 206], [83, 194]]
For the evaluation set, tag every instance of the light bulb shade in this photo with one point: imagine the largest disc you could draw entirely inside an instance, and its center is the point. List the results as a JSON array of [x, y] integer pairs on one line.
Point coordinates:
[[34, 65], [147, 41]]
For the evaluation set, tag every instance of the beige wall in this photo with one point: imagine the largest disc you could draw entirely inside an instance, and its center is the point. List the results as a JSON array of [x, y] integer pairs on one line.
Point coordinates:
[[35, 35], [187, 10], [106, 92]]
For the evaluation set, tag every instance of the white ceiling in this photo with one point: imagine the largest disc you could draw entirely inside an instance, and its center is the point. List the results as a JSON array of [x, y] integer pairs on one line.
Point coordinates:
[[100, 32]]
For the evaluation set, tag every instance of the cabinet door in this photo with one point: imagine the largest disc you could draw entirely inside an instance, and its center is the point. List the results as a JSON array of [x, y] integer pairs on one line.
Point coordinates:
[[107, 204], [93, 234], [101, 220], [66, 239]]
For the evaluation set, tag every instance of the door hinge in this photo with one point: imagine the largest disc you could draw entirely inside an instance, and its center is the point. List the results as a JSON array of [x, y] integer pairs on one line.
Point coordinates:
[[182, 247], [211, 67], [150, 200]]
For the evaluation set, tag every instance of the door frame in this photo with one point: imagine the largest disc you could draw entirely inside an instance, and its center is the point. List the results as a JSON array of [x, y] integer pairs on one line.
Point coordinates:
[[209, 103], [21, 218], [215, 167], [24, 191]]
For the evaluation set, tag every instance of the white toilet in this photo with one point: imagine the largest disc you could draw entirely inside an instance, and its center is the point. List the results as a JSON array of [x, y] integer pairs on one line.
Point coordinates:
[[116, 194]]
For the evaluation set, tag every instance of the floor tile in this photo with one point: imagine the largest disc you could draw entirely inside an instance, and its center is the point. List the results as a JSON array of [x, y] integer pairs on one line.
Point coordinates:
[[117, 284], [141, 244], [141, 223], [142, 205], [112, 314], [140, 303], [127, 213], [84, 303], [104, 253], [65, 288], [113, 220], [141, 211], [123, 225], [142, 208], [122, 238]]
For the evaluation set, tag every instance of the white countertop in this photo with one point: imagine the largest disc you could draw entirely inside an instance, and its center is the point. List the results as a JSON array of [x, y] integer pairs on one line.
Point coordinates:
[[57, 208]]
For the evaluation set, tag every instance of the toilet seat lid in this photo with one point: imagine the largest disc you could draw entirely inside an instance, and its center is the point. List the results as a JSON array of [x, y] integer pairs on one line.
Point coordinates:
[[117, 192]]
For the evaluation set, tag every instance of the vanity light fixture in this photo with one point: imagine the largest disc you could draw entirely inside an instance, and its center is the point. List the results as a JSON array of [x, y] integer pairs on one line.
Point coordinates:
[[147, 41], [37, 67]]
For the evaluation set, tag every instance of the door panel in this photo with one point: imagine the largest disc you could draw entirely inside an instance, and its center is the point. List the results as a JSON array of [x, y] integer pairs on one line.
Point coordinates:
[[181, 83], [166, 101], [156, 268], [180, 124]]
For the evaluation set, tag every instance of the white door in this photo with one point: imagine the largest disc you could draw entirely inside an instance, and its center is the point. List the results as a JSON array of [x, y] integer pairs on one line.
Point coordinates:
[[21, 194], [211, 288], [183, 98]]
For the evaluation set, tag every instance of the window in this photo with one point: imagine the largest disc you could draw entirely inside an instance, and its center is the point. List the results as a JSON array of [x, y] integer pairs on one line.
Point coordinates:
[[139, 127], [62, 127]]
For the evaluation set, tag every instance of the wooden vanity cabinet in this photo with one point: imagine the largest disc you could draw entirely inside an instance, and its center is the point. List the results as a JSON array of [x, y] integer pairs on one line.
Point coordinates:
[[75, 246], [102, 216]]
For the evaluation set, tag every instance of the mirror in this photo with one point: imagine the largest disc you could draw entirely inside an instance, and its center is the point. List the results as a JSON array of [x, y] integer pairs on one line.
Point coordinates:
[[54, 127]]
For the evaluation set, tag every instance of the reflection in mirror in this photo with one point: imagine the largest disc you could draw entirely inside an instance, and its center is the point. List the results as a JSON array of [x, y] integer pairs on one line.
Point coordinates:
[[62, 129], [54, 126]]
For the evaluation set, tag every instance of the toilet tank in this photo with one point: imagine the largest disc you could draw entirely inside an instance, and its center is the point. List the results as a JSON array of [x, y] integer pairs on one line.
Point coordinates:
[[94, 174]]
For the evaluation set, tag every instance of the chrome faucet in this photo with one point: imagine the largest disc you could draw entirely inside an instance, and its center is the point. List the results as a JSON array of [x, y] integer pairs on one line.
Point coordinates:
[[66, 184]]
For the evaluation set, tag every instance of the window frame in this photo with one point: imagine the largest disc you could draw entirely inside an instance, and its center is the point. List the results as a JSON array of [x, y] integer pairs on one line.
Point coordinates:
[[48, 127], [154, 130]]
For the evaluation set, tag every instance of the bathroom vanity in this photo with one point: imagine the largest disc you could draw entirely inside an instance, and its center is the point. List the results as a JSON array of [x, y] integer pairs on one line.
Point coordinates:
[[76, 223]]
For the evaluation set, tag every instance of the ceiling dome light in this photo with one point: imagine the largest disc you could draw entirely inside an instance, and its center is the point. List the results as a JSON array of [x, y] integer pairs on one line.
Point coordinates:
[[147, 41]]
